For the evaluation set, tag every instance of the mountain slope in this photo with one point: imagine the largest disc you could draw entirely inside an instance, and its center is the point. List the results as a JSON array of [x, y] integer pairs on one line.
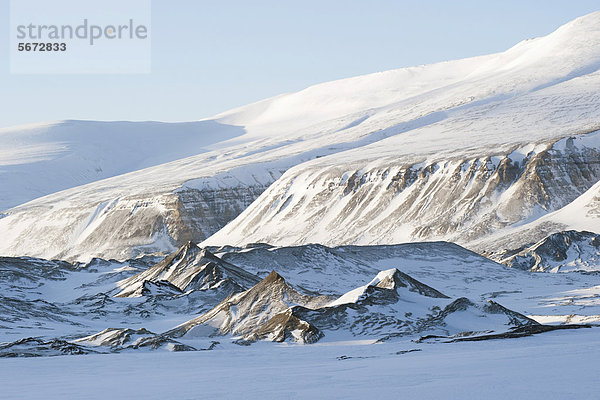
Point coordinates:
[[582, 214], [241, 314], [454, 199], [487, 126], [40, 159]]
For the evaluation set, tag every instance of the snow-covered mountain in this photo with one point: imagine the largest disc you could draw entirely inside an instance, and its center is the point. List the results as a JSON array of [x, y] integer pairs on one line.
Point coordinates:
[[372, 227], [453, 151], [455, 199]]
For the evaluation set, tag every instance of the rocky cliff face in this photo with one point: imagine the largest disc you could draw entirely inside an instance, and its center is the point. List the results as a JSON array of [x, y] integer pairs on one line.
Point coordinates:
[[201, 213], [581, 215], [459, 200], [127, 226]]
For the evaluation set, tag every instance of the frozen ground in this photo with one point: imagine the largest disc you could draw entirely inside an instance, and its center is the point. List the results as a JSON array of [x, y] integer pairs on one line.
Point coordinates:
[[556, 365]]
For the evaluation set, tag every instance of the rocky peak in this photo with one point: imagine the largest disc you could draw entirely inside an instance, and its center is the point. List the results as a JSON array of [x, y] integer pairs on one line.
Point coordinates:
[[393, 279]]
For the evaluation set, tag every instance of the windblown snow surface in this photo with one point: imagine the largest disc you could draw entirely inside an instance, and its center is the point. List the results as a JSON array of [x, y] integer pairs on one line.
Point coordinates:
[[558, 365], [40, 159]]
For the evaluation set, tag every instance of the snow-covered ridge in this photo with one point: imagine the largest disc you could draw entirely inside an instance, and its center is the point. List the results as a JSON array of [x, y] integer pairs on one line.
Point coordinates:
[[190, 268], [560, 252], [388, 279], [51, 307], [575, 44], [383, 309]]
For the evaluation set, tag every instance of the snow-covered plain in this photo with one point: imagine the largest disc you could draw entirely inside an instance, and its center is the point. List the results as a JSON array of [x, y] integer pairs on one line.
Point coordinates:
[[554, 365]]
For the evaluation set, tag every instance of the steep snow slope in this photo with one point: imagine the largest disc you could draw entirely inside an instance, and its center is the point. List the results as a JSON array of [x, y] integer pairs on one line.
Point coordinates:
[[452, 117], [39, 159]]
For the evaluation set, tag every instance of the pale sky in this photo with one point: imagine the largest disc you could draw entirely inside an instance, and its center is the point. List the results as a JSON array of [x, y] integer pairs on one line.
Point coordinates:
[[210, 56]]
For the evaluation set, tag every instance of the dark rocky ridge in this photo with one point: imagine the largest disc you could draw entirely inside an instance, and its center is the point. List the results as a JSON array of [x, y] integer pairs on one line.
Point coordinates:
[[567, 249], [395, 305], [244, 313], [190, 268]]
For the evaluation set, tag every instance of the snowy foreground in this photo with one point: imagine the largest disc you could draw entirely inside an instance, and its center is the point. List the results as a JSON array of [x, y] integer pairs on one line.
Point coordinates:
[[555, 365]]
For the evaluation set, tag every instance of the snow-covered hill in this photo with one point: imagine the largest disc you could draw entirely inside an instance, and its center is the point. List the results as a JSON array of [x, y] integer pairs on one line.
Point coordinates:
[[40, 159], [244, 314], [190, 268], [391, 305], [483, 140]]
